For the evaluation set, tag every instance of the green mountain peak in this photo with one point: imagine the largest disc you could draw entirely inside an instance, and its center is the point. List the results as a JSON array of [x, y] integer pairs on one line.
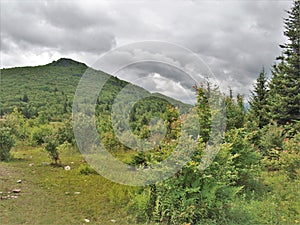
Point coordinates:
[[67, 62]]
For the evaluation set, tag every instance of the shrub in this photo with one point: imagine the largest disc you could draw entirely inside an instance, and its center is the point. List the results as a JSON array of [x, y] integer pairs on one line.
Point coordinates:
[[285, 157], [60, 140], [86, 170], [193, 195], [39, 134], [139, 205], [6, 143], [52, 149], [139, 159], [246, 157], [271, 138], [18, 125], [289, 159]]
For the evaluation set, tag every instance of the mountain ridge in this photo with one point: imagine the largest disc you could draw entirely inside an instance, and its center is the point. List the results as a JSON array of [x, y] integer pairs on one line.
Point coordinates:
[[50, 88]]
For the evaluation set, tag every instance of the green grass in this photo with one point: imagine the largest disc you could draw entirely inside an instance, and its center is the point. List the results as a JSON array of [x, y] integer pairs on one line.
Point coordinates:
[[277, 204], [48, 194]]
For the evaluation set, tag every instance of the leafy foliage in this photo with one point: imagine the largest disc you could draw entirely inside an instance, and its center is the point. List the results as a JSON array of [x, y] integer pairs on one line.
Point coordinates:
[[6, 143]]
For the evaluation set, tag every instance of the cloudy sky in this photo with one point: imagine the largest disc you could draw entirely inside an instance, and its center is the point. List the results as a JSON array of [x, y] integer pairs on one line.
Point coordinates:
[[234, 38]]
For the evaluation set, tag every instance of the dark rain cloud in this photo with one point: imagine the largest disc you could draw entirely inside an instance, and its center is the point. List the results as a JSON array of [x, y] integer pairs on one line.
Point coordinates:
[[234, 38]]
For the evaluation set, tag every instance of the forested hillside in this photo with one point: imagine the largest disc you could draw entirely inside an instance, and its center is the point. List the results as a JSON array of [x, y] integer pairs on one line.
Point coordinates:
[[50, 89]]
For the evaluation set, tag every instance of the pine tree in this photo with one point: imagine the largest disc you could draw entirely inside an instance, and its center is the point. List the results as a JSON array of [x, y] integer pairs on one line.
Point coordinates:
[[258, 100], [284, 97], [203, 112], [240, 111], [235, 111]]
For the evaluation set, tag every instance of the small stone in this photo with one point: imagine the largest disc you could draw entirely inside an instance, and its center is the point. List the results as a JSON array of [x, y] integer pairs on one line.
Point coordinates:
[[113, 221], [19, 181], [86, 220], [77, 193], [17, 190], [31, 164], [67, 167], [72, 162]]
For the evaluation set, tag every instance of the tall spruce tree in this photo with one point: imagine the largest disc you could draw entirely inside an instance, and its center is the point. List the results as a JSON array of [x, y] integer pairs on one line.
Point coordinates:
[[240, 108], [235, 111], [204, 112], [258, 99], [284, 95]]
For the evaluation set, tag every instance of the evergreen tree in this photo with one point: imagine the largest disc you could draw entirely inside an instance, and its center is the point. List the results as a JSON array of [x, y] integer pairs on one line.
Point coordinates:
[[240, 118], [284, 97], [204, 112], [235, 111], [258, 100]]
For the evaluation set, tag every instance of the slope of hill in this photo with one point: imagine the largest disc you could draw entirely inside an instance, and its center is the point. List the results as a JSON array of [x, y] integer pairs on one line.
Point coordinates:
[[50, 88]]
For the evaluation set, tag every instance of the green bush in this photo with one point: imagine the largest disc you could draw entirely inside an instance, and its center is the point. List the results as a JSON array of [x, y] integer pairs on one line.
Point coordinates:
[[139, 159], [38, 135], [289, 159], [246, 157], [193, 195], [283, 156], [6, 143], [51, 148], [272, 137], [86, 170], [139, 205], [18, 125]]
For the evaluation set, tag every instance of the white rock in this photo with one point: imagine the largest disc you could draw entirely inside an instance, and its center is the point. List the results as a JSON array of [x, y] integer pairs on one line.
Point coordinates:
[[19, 181], [86, 220], [77, 193], [17, 190], [67, 167], [113, 221]]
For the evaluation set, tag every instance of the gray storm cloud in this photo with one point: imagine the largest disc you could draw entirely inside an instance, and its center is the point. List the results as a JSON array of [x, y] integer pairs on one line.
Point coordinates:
[[234, 38]]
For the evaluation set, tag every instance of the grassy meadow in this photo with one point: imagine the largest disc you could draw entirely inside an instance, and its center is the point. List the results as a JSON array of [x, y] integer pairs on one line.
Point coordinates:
[[52, 195]]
